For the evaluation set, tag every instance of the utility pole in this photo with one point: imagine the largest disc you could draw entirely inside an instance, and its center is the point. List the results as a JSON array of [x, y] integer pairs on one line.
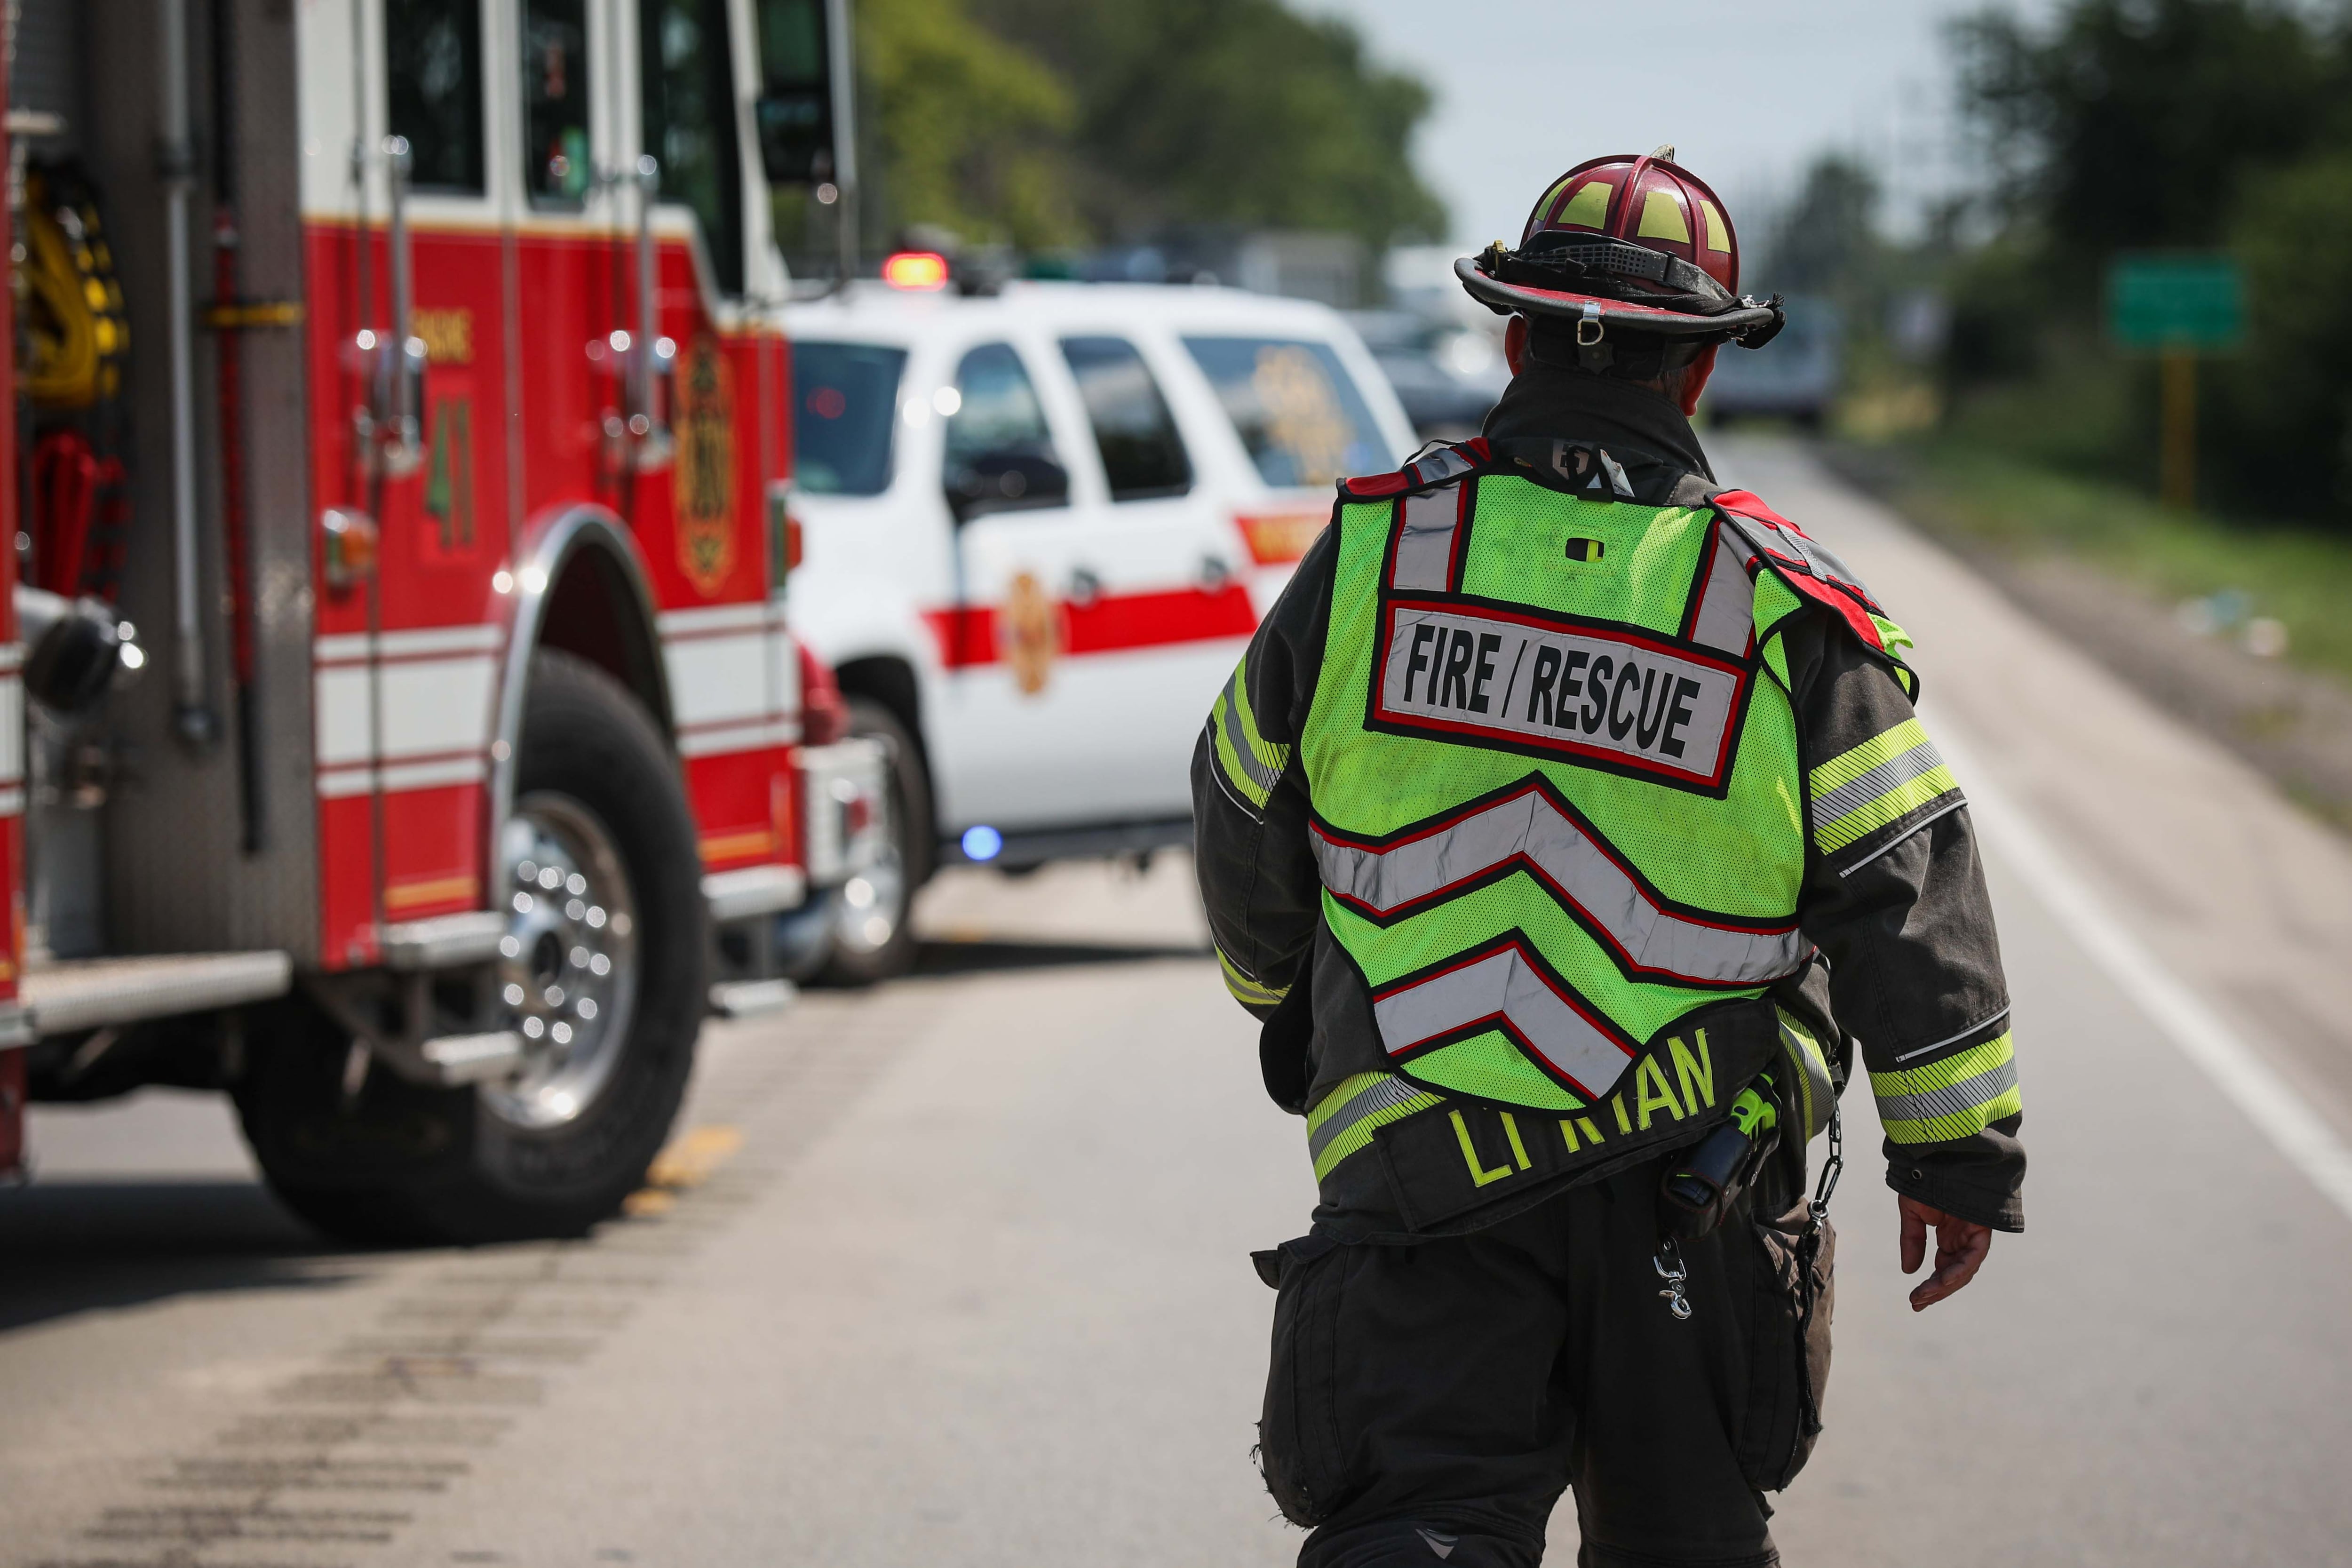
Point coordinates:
[[843, 68], [2177, 463]]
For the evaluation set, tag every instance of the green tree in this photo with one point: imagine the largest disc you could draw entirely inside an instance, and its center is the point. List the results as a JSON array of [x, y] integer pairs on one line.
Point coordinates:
[[1230, 111], [1826, 240], [2132, 122], [971, 131], [2284, 419], [2152, 124]]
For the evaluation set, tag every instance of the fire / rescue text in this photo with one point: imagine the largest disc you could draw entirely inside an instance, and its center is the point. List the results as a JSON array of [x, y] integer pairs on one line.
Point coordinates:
[[1593, 692]]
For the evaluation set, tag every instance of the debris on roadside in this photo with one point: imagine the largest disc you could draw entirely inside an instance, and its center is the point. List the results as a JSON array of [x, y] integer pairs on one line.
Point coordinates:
[[2229, 613]]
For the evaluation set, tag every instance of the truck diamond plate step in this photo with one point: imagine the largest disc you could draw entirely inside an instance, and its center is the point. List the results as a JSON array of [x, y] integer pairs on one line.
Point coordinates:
[[83, 993]]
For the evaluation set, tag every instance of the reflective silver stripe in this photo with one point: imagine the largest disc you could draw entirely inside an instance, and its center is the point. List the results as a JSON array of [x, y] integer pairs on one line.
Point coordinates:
[[1727, 604], [1389, 1091], [1820, 561], [1424, 549], [1953, 1098], [1981, 1024], [1861, 790], [1921, 826], [1238, 734], [1616, 471], [1504, 986], [1439, 466], [1816, 1092], [1579, 870]]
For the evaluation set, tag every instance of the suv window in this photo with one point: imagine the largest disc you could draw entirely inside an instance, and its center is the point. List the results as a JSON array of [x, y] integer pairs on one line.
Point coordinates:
[[432, 54], [1295, 408], [689, 92], [1142, 455], [844, 409], [555, 162], [1000, 453]]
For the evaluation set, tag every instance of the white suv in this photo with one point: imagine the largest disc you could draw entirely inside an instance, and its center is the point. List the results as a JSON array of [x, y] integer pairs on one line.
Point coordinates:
[[1037, 530]]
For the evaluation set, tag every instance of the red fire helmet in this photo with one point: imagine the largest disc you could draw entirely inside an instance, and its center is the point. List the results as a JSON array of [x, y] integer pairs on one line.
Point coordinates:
[[1638, 242]]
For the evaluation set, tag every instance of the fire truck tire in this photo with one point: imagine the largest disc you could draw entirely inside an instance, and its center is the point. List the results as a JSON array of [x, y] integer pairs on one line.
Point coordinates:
[[873, 935], [405, 1163]]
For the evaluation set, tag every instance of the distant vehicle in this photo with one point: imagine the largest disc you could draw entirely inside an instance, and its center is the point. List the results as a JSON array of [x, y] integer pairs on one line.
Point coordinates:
[[1795, 376], [1446, 376], [1039, 528]]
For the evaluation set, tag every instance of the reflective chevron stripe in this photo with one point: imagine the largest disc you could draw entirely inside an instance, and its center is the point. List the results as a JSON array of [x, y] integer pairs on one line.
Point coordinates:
[[1954, 1098], [1534, 830], [1246, 990], [1345, 1119], [1505, 986], [1882, 781], [1251, 763]]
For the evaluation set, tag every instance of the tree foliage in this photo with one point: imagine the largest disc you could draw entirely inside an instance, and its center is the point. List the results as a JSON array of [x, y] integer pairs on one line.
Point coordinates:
[[972, 131], [1829, 234], [2134, 122], [2285, 409], [1231, 111], [2128, 125], [1048, 122]]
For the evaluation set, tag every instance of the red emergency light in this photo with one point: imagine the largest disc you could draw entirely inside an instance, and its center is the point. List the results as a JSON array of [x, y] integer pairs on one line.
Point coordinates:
[[925, 271]]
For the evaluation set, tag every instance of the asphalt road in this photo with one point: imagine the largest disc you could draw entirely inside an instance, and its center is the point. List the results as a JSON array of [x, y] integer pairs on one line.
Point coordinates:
[[956, 1272]]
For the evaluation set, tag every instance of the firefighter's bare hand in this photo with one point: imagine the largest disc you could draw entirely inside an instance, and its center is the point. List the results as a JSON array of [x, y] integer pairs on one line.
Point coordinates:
[[1961, 1250]]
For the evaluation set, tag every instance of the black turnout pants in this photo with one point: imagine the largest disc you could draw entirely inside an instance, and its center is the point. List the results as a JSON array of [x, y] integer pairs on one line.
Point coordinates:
[[1429, 1403]]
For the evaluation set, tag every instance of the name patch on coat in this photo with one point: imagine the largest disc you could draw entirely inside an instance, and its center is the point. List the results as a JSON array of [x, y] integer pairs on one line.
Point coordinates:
[[1601, 695]]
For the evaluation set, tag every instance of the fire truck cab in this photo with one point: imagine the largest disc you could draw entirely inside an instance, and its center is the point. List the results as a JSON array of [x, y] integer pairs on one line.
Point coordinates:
[[405, 388]]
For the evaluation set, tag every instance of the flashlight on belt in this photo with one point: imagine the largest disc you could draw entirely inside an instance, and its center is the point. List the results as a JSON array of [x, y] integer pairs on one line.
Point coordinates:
[[1697, 1191]]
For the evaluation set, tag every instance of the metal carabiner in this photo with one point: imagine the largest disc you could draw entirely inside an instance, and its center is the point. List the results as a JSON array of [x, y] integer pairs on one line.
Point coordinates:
[[1668, 1262], [1831, 1168]]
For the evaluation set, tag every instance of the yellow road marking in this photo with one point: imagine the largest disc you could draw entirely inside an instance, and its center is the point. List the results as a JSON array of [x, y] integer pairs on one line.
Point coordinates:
[[686, 1163]]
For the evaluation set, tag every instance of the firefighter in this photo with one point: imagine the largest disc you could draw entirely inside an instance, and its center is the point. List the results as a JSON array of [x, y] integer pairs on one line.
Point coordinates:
[[1568, 827]]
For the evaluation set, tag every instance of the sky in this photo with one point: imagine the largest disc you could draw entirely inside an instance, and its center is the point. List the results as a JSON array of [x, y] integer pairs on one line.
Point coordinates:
[[1748, 92]]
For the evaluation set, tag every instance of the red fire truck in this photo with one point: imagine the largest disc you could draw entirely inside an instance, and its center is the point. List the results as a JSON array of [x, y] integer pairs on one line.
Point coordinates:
[[400, 727]]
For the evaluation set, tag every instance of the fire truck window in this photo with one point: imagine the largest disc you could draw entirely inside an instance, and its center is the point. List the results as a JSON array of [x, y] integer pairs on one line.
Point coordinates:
[[432, 49], [555, 157], [1142, 455], [690, 82], [795, 112], [1295, 407], [844, 407]]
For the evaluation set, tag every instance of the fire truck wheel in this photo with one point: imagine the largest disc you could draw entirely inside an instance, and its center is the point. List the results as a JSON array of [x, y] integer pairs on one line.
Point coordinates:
[[872, 938], [604, 979]]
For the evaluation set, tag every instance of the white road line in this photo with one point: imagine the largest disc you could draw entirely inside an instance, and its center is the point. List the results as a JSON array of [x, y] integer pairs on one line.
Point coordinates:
[[2194, 1028]]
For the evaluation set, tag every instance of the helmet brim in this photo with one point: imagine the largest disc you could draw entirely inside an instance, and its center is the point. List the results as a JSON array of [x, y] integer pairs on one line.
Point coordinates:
[[1488, 290]]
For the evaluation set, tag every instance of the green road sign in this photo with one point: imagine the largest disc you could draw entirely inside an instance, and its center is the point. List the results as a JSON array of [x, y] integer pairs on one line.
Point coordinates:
[[2191, 303]]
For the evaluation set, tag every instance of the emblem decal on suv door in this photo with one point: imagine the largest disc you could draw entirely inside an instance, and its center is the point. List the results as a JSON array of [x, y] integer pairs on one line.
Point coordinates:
[[1031, 627], [1604, 695]]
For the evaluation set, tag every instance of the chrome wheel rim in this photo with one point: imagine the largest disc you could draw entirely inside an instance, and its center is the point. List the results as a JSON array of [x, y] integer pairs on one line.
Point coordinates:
[[567, 970], [872, 905]]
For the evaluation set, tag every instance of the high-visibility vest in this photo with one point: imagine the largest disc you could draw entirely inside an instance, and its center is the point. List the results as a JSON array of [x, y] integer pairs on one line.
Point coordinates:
[[1558, 801]]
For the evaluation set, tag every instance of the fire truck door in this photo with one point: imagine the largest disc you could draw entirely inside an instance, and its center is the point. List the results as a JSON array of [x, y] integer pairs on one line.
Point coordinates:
[[406, 669], [1099, 611]]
